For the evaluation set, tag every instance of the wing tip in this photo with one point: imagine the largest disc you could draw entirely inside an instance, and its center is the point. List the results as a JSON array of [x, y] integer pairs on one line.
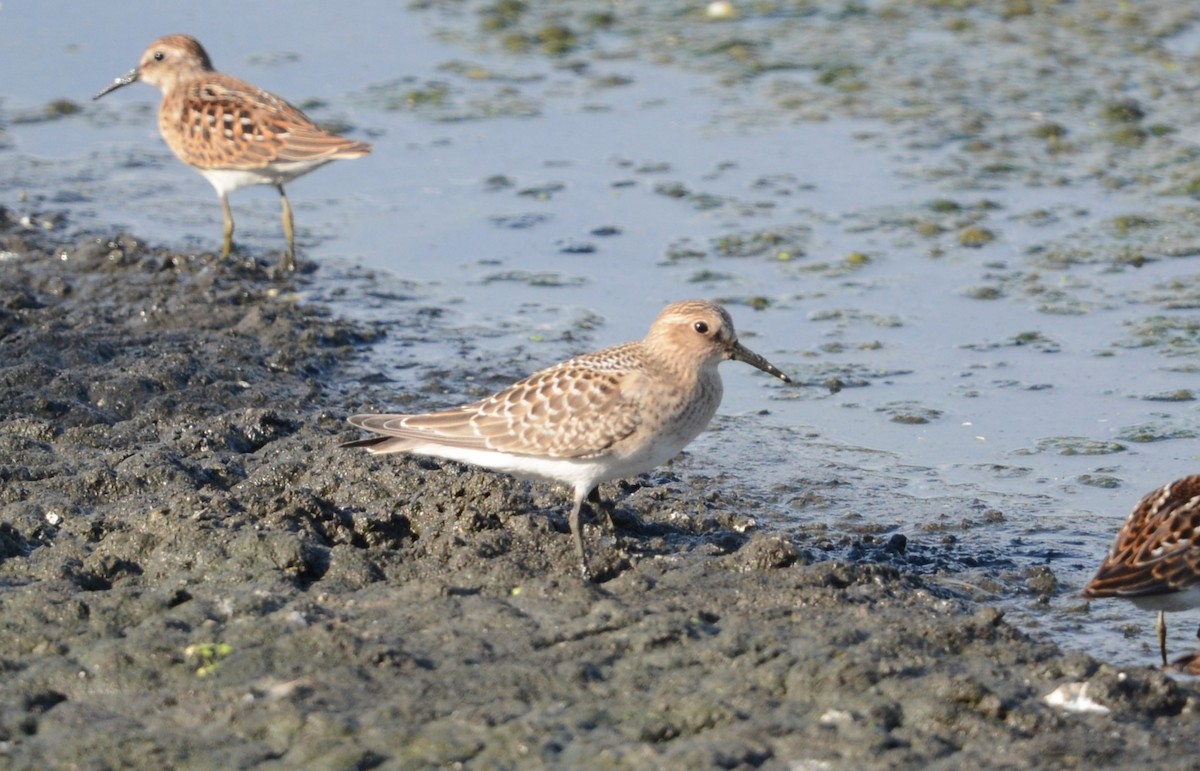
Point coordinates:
[[367, 443]]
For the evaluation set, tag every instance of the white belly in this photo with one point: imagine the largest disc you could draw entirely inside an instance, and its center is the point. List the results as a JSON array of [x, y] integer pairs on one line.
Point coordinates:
[[227, 180], [1171, 602]]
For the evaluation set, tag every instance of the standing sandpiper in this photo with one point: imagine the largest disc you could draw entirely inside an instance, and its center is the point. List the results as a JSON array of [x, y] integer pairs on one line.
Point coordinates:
[[233, 133], [598, 417], [1155, 561]]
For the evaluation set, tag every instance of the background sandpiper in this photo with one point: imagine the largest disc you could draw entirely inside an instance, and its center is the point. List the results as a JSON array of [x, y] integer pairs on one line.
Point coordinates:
[[233, 133]]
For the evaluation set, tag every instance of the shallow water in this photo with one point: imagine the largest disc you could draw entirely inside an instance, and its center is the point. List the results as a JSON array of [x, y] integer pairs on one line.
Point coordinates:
[[543, 208]]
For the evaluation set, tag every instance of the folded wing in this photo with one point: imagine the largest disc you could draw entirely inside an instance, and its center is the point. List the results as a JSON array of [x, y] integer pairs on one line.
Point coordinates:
[[562, 412]]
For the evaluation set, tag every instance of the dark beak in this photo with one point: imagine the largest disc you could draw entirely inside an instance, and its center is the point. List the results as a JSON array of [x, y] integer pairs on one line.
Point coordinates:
[[740, 352], [124, 80]]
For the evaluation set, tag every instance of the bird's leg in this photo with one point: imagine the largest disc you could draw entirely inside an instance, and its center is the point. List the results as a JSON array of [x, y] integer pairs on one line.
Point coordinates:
[[577, 534], [1161, 626], [597, 506], [227, 245], [624, 520], [289, 257]]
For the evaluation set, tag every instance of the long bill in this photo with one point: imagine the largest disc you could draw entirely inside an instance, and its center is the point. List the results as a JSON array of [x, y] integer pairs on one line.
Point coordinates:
[[739, 352], [124, 80]]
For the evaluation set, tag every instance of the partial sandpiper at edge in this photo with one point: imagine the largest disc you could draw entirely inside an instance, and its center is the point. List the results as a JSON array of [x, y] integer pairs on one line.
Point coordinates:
[[1155, 560]]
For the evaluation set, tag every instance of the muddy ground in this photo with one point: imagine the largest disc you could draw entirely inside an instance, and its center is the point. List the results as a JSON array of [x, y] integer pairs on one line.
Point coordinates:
[[194, 575]]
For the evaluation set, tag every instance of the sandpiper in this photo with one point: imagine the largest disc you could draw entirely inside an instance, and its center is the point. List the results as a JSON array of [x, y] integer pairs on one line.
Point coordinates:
[[598, 417], [233, 133], [1155, 561]]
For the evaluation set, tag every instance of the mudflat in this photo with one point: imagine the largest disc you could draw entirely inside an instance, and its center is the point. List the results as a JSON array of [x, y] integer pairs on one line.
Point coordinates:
[[193, 574]]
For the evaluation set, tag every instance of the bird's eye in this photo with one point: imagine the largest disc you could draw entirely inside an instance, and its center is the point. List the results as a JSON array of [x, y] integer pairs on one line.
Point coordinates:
[[701, 327], [159, 56]]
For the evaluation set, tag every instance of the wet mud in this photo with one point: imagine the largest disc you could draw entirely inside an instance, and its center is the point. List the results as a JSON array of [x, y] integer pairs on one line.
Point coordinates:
[[194, 575]]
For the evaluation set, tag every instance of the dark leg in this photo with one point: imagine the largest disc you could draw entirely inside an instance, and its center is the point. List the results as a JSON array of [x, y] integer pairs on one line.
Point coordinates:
[[598, 508], [1161, 626], [577, 534], [289, 257], [227, 244]]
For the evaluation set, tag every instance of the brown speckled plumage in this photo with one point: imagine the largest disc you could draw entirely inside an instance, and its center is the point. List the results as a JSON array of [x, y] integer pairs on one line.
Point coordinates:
[[233, 133], [591, 419], [581, 408]]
